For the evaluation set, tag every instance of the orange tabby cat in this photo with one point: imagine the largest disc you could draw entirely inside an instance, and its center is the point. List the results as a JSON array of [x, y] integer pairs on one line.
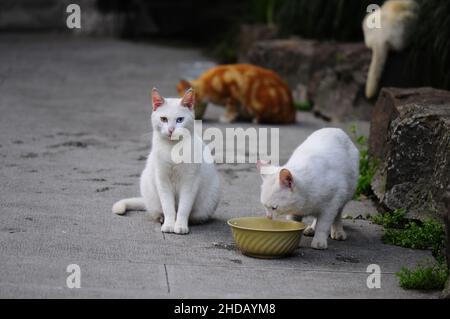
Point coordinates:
[[246, 91]]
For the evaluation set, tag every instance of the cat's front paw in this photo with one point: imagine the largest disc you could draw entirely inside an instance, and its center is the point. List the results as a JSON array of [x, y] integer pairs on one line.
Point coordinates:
[[319, 242], [309, 231], [181, 228], [168, 227], [338, 235]]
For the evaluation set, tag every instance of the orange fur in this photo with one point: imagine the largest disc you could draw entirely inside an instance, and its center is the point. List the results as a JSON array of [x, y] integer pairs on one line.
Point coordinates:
[[247, 91]]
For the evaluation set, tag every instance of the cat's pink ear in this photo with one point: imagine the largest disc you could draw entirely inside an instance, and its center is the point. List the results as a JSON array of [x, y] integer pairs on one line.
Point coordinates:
[[157, 99], [286, 178], [188, 99]]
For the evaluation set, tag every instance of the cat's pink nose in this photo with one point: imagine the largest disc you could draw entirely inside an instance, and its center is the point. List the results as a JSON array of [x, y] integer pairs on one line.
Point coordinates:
[[171, 129]]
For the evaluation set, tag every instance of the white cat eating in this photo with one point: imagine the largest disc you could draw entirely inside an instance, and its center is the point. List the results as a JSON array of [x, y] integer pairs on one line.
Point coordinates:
[[177, 193], [318, 180]]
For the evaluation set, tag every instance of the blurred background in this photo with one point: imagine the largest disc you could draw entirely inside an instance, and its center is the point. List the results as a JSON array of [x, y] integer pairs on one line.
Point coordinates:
[[317, 46]]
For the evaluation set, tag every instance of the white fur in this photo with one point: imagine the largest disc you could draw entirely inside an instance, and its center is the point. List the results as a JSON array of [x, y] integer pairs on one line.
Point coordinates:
[[394, 34], [177, 193], [325, 169]]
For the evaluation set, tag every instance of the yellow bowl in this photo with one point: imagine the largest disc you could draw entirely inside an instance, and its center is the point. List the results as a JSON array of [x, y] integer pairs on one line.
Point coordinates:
[[265, 238]]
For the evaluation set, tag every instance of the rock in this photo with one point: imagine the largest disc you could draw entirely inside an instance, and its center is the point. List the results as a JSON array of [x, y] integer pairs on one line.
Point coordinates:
[[337, 88], [447, 224], [252, 33], [446, 292], [293, 59], [410, 141], [333, 74]]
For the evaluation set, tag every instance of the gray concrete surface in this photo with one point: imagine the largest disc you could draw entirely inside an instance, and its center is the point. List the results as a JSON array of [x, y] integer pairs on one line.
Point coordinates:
[[74, 130]]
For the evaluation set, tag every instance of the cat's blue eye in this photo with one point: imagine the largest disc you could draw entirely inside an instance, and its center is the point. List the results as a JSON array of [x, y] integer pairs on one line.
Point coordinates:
[[180, 120]]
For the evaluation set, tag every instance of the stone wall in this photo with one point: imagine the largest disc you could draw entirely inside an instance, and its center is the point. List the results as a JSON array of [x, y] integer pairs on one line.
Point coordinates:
[[329, 74], [446, 292], [410, 140]]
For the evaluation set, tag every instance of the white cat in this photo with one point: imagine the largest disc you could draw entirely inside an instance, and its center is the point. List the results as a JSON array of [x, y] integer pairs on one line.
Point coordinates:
[[397, 19], [319, 179], [175, 193]]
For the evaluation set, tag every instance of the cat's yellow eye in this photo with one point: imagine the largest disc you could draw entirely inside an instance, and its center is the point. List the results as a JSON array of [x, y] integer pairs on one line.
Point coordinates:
[[163, 119]]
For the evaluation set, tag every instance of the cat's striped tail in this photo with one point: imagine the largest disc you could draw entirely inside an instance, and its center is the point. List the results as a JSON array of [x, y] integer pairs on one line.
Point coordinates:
[[135, 203]]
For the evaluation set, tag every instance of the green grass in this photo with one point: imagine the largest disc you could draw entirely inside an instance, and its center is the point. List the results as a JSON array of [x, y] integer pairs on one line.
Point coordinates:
[[429, 235], [367, 167], [396, 219], [411, 234], [424, 277], [399, 231]]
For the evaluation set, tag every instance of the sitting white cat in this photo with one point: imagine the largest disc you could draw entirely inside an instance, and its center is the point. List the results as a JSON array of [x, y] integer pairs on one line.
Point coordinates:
[[318, 180], [177, 193]]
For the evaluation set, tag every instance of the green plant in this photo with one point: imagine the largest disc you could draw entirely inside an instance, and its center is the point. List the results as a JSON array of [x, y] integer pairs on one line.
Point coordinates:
[[424, 277], [262, 11], [270, 11], [367, 167], [303, 106], [396, 219], [428, 235], [323, 19], [400, 231]]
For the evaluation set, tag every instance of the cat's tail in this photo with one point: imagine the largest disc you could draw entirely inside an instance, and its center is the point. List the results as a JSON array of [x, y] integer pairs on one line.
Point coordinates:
[[135, 203], [379, 56]]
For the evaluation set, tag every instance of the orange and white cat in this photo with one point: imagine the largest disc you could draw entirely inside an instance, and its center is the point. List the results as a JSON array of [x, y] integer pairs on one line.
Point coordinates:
[[246, 91]]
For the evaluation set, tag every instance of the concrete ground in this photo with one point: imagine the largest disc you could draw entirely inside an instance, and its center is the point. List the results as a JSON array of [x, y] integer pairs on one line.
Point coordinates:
[[74, 133]]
